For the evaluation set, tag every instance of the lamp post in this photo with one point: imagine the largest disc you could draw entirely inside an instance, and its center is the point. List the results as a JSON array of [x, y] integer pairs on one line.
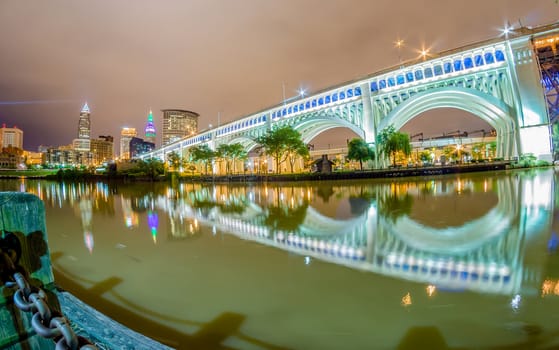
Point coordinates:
[[399, 43], [424, 53]]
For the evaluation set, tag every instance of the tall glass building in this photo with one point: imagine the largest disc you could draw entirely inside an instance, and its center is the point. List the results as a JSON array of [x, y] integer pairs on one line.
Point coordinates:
[[178, 123], [83, 142]]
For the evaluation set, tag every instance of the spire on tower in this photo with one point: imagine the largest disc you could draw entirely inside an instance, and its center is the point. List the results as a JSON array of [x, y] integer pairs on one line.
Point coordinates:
[[85, 108], [150, 128]]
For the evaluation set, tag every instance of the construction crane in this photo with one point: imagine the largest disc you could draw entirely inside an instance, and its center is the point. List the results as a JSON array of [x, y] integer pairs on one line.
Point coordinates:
[[415, 135], [480, 131], [451, 134]]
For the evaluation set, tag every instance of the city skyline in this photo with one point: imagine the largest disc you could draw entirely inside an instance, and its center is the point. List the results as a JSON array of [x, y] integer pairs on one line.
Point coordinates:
[[219, 59]]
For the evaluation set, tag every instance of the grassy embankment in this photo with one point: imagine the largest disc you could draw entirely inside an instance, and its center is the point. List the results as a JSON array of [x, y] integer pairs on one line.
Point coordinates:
[[27, 173]]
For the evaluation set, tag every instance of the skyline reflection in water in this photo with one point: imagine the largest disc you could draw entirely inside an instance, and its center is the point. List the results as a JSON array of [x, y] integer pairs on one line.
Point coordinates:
[[425, 244]]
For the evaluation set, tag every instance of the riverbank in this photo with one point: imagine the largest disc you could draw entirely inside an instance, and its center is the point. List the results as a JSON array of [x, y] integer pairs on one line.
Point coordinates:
[[28, 174], [342, 175], [366, 174]]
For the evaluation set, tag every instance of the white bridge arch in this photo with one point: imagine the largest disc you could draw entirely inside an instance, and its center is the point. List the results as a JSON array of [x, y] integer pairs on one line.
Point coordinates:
[[498, 80]]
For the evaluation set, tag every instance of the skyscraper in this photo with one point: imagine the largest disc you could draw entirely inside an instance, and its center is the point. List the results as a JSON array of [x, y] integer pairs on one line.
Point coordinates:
[[84, 124], [150, 129], [83, 143], [126, 134], [178, 123]]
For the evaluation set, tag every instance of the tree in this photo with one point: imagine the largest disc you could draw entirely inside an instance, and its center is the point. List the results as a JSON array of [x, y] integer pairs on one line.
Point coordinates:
[[280, 143], [174, 160], [231, 153], [152, 167], [390, 142], [425, 157], [555, 138], [478, 150], [454, 153], [203, 154], [492, 148], [360, 151], [296, 149], [221, 155]]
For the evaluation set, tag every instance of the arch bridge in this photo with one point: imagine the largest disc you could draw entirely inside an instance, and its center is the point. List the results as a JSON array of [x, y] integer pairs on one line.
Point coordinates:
[[502, 81]]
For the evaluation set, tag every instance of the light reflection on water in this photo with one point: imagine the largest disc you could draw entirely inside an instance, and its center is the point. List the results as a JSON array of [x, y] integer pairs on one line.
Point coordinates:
[[465, 262]]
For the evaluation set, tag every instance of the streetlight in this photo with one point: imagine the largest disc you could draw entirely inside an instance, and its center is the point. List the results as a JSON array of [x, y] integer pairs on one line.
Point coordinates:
[[506, 30], [301, 92], [423, 53], [399, 43]]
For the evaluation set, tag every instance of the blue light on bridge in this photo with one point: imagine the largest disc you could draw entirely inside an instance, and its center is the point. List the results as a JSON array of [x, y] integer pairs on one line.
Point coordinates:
[[334, 97], [428, 72], [409, 77], [320, 101], [391, 82], [489, 58], [447, 67], [550, 80], [342, 95], [479, 60], [438, 70], [499, 56], [400, 79], [357, 91], [457, 65], [349, 93], [468, 63]]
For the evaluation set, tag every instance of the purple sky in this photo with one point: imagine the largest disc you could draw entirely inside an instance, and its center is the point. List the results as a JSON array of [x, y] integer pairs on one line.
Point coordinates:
[[210, 56]]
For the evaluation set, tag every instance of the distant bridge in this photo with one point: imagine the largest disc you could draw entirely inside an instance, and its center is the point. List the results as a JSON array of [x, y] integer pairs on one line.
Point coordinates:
[[509, 82]]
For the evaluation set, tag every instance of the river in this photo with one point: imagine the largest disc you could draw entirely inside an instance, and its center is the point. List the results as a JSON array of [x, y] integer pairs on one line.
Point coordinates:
[[466, 261]]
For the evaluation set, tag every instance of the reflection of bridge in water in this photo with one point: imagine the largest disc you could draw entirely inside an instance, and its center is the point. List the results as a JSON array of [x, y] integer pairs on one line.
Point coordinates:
[[485, 254]]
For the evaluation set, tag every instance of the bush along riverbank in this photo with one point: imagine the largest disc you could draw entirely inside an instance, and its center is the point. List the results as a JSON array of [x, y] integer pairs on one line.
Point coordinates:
[[76, 175], [80, 175]]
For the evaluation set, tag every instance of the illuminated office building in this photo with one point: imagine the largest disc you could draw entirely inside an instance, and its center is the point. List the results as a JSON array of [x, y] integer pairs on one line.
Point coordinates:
[[11, 137], [82, 143], [126, 135], [139, 146], [177, 124], [102, 149]]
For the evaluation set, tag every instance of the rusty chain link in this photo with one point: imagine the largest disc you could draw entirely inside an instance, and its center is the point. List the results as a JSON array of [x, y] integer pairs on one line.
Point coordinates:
[[46, 323]]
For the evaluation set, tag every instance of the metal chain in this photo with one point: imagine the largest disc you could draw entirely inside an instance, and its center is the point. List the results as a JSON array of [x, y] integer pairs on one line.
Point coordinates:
[[47, 324]]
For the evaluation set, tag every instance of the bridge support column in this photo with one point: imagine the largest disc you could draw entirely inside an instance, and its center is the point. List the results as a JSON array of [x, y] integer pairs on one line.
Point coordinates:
[[368, 120], [369, 125], [533, 135]]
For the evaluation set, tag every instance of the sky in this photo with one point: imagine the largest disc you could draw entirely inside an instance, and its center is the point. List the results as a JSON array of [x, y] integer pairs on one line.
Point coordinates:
[[219, 57]]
